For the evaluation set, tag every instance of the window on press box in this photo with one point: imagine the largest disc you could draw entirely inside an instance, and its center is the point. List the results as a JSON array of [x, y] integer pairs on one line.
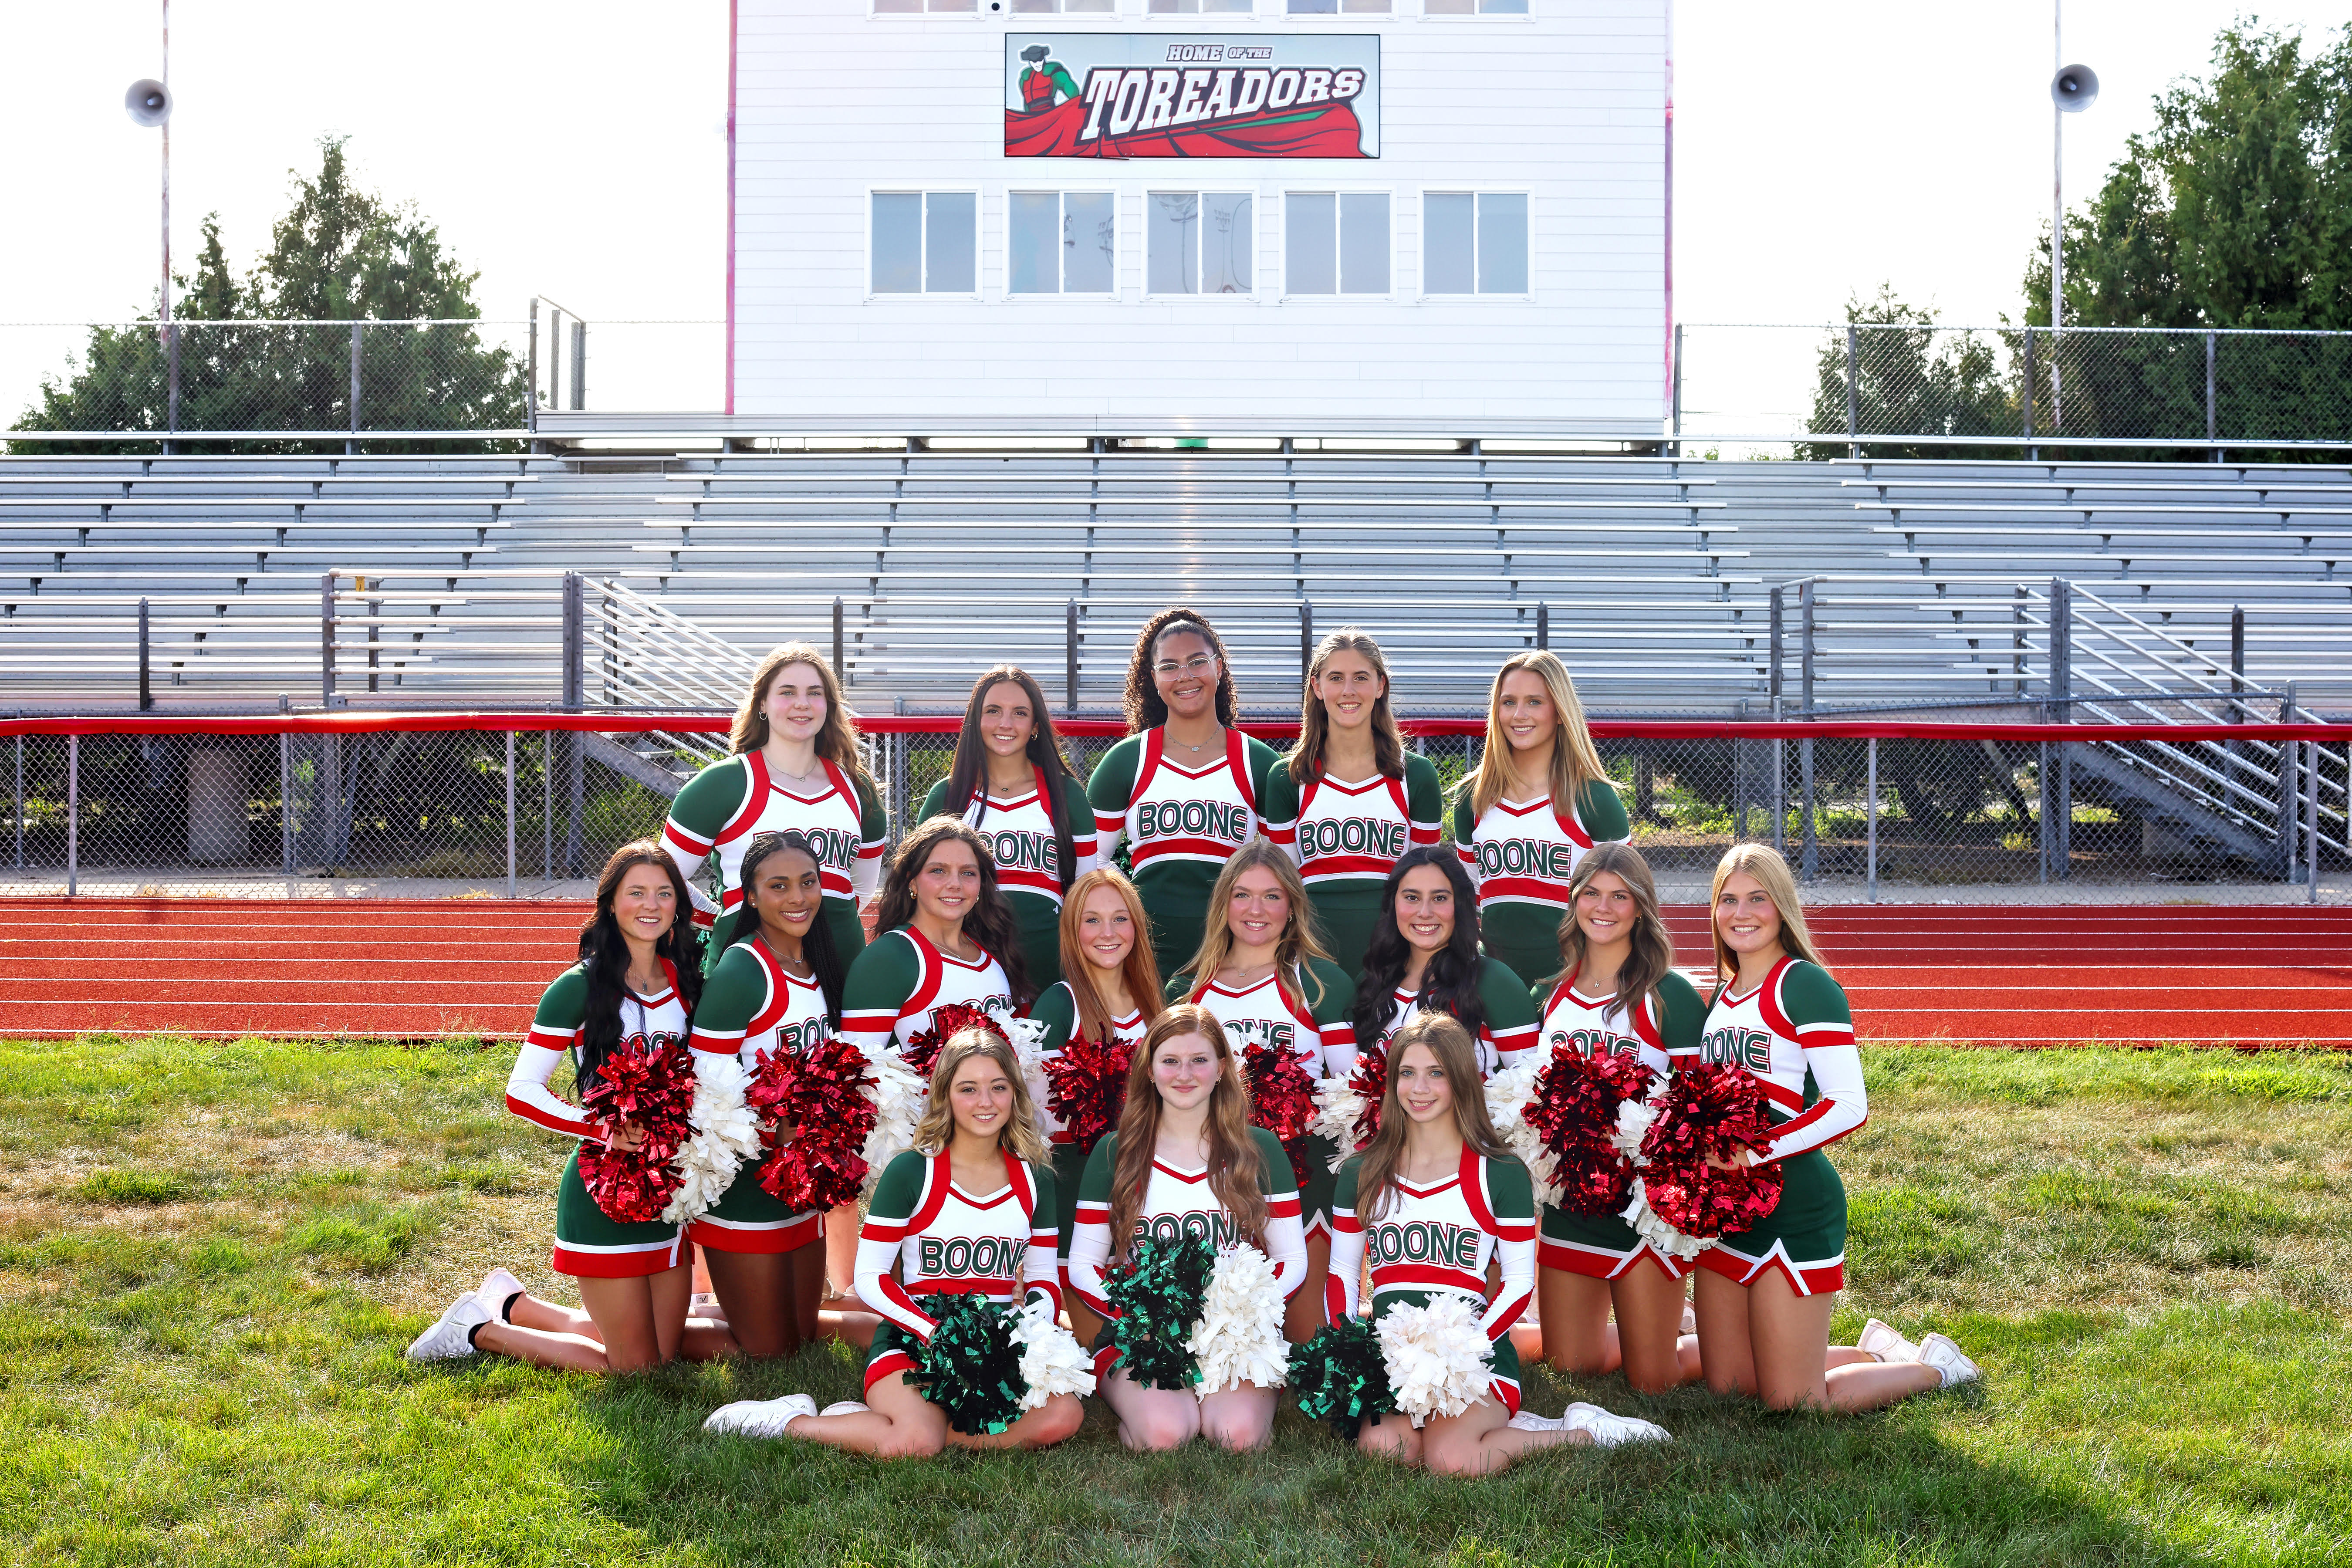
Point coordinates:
[[924, 242], [1197, 242], [1333, 7], [1476, 7], [1064, 5], [1334, 243], [1061, 242], [926, 5], [1474, 244], [1196, 7]]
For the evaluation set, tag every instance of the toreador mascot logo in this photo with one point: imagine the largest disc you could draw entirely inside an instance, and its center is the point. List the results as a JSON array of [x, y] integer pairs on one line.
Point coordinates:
[[1212, 104]]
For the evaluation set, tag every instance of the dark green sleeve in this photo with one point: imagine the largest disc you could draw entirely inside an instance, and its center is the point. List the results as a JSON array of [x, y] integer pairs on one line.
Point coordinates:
[[563, 1005], [1808, 995], [1281, 1181], [1505, 999], [1094, 1182], [1262, 760], [1057, 1009], [1684, 1015], [1512, 1192], [1178, 989], [1046, 1218], [1338, 997], [1278, 803], [1343, 1188], [880, 980], [1114, 780], [900, 1188], [735, 992], [1602, 811], [873, 820], [1466, 821], [1425, 798], [710, 799], [934, 803]]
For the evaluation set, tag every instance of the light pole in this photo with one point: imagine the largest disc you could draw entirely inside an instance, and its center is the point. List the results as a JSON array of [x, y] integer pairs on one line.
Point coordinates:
[[149, 103], [2073, 89]]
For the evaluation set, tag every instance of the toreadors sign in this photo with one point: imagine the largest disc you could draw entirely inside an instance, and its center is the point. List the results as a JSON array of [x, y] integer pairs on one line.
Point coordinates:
[[1166, 95]]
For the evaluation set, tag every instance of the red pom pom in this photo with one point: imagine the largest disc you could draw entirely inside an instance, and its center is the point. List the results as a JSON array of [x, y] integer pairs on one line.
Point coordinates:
[[1369, 1080], [1085, 1086], [1712, 1110], [1573, 1111], [649, 1086], [1282, 1100], [822, 1096], [922, 1052]]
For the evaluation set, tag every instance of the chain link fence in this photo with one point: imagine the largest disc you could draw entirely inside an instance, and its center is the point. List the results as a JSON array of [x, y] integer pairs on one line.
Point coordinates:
[[533, 813], [1998, 391]]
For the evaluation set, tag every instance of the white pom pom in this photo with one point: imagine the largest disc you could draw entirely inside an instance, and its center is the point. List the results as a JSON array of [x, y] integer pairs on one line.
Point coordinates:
[[1650, 1227], [1337, 1109], [725, 1135], [1027, 1036], [898, 1097], [1633, 1119], [1440, 1361], [1051, 1362], [1508, 1092], [1239, 1337]]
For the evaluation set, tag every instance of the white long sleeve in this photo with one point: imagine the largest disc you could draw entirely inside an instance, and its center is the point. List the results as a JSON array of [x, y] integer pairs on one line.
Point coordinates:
[[1843, 1106], [528, 1097]]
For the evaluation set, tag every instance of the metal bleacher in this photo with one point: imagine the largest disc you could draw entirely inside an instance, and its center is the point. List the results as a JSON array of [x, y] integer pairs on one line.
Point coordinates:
[[440, 578]]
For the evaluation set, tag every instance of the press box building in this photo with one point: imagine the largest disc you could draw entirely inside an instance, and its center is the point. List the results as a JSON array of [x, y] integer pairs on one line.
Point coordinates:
[[1450, 217]]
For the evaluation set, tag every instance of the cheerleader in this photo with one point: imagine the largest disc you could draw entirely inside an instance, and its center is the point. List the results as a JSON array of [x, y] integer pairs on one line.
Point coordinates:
[[1184, 1162], [1010, 782], [1539, 799], [1183, 789], [1262, 971], [1436, 1182], [1424, 958], [1349, 799], [1764, 1296], [943, 933], [776, 988], [1109, 991], [940, 1224], [634, 984], [1617, 993], [795, 766]]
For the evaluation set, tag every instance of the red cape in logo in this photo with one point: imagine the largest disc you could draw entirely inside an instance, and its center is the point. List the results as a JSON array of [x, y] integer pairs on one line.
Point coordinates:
[[1331, 130]]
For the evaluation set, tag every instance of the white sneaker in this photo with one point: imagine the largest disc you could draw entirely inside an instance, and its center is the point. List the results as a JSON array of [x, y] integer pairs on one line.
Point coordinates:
[[1608, 1430], [448, 1338], [703, 1304], [1886, 1344], [1528, 1421], [759, 1417], [845, 1407], [1690, 1320], [493, 1289], [1939, 1352]]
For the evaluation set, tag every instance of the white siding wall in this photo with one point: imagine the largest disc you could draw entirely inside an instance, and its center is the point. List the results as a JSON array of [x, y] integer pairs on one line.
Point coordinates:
[[1567, 104]]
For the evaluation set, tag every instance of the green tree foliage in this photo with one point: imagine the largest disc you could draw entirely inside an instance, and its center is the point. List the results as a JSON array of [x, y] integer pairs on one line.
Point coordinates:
[[340, 254], [1907, 378]]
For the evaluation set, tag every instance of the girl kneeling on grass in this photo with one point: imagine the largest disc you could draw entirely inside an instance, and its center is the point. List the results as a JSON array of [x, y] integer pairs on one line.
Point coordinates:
[[970, 1209], [1764, 1296], [1436, 1183], [1184, 1162], [635, 983]]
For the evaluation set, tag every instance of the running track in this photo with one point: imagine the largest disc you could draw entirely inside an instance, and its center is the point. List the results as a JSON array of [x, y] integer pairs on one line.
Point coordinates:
[[416, 969]]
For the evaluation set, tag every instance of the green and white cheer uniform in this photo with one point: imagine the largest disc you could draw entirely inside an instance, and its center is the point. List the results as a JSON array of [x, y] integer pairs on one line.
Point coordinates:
[[1057, 1009], [926, 1235], [1309, 1018], [1028, 855], [1521, 854], [722, 807], [1795, 1034], [1602, 1245], [754, 1003], [1178, 1203], [1345, 838], [1506, 1016], [586, 1242], [1181, 823], [1438, 1240], [897, 984]]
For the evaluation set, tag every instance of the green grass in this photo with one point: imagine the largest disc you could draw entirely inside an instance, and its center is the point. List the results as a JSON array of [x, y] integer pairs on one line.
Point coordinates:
[[211, 1257]]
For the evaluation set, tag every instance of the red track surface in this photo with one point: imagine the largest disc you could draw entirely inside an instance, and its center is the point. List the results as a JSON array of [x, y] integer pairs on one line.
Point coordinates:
[[408, 969]]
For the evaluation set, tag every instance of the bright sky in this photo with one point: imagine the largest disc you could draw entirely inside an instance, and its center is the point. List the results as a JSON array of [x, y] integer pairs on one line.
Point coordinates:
[[577, 149]]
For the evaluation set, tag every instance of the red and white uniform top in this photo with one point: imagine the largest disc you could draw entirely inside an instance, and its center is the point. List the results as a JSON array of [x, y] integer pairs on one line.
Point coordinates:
[[900, 980], [790, 1020], [1525, 852], [1590, 1026], [555, 1034], [1021, 838], [1351, 832], [925, 1234], [1175, 813], [1264, 1014], [1795, 1034], [1499, 1045], [849, 841]]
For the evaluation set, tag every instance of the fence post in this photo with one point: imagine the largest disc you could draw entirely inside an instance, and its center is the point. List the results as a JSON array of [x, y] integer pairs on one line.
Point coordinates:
[[1305, 640], [1543, 623], [2033, 386], [1070, 652], [579, 364], [2212, 429], [840, 674], [2311, 821], [73, 814], [896, 778], [327, 639], [510, 816], [351, 444], [1811, 857], [547, 806], [1870, 839], [530, 382], [146, 691], [1853, 389], [2290, 784], [286, 803], [2042, 803], [20, 803], [1739, 751], [1678, 447], [575, 655], [2017, 641], [2062, 679], [1779, 753]]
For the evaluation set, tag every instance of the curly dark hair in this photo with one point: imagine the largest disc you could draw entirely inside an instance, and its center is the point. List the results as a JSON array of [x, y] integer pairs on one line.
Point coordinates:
[[1145, 710]]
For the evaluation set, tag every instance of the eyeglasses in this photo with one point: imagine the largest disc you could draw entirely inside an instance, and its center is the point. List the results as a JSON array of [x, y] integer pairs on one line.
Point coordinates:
[[1198, 664]]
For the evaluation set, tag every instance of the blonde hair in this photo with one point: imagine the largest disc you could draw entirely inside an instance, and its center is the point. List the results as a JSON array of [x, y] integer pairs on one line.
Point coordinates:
[[1141, 970], [836, 738], [1299, 941], [1305, 759], [1450, 1041], [1018, 1137], [1575, 762], [1771, 872], [1236, 1170]]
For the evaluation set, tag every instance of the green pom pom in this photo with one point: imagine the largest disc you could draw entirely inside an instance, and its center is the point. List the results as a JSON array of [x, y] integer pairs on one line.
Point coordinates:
[[971, 1367], [1341, 1377], [1159, 1293]]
